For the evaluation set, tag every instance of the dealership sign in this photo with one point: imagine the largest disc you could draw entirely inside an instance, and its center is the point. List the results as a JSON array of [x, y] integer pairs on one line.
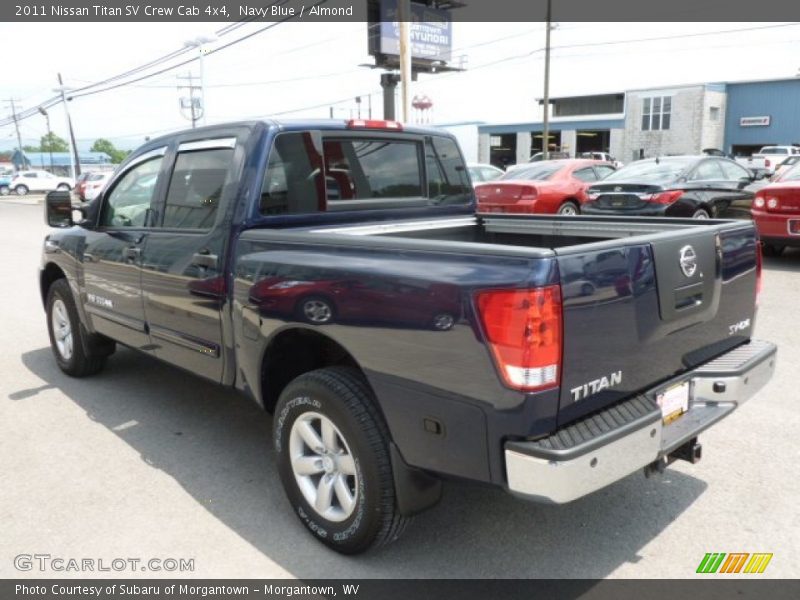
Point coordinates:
[[431, 32], [754, 121]]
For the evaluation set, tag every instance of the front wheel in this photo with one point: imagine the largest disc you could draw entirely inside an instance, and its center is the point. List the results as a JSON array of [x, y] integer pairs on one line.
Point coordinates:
[[63, 187], [76, 353], [701, 213], [333, 458], [4, 190], [315, 310], [21, 190], [569, 209]]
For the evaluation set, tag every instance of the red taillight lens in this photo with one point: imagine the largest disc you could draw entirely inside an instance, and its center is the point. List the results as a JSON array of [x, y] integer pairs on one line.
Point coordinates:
[[523, 329], [666, 197], [766, 162], [759, 201], [528, 192]]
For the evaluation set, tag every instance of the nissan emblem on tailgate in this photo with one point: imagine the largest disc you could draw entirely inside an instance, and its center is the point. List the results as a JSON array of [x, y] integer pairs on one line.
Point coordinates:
[[688, 261]]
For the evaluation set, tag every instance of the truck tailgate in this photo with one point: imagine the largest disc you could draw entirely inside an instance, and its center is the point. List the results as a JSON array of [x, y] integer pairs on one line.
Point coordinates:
[[640, 313]]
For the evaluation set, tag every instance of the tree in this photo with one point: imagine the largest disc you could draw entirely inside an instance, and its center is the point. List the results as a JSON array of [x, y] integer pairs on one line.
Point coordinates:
[[52, 143], [31, 149], [103, 145]]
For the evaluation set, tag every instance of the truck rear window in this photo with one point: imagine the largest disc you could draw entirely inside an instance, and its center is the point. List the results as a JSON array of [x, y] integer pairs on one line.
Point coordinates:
[[308, 173]]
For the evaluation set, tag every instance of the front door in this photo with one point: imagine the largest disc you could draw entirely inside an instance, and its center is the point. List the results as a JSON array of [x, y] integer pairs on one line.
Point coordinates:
[[183, 280], [112, 255]]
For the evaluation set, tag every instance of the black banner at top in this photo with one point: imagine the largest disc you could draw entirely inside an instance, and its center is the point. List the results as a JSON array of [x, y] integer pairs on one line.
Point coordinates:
[[149, 11]]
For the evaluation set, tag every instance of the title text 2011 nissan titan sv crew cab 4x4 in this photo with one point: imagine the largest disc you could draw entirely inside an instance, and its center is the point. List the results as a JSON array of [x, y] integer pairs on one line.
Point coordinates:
[[338, 274]]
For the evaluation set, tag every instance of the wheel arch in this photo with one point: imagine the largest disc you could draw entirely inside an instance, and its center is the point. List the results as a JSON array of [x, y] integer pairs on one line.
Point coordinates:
[[49, 275]]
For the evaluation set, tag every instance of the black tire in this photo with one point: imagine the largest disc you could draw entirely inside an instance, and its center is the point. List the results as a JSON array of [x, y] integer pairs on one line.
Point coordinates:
[[324, 312], [63, 187], [88, 353], [4, 190], [569, 208], [443, 321], [21, 190], [773, 249], [342, 396]]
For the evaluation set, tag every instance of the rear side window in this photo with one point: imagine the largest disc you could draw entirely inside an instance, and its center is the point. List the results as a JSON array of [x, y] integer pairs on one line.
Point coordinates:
[[586, 174], [195, 189], [447, 175], [361, 169], [293, 181], [732, 171], [708, 170]]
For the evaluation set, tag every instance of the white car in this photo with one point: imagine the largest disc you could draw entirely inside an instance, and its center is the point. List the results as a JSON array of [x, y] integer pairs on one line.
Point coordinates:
[[481, 173], [766, 160], [39, 181], [604, 156]]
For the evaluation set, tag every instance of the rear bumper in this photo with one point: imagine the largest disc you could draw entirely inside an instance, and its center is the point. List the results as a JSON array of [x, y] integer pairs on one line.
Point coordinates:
[[605, 447], [647, 210], [774, 227]]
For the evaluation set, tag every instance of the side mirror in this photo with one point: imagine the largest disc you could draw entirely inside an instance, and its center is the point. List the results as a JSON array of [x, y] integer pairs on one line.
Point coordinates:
[[58, 209]]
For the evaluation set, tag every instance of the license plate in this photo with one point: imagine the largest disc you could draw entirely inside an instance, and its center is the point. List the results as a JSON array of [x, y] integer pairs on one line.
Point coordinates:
[[618, 203], [674, 401]]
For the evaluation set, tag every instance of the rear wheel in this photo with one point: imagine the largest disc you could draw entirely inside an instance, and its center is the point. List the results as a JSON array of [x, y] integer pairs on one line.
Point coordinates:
[[701, 213], [76, 353], [333, 458], [315, 310], [63, 187], [21, 190], [4, 190], [569, 208]]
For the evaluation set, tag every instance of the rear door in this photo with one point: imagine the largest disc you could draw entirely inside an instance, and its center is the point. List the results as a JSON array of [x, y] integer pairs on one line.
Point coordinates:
[[183, 279]]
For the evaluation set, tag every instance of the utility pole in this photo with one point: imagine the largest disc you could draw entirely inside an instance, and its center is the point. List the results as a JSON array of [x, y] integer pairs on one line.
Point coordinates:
[[11, 102], [196, 111], [546, 122], [403, 17], [75, 162], [199, 42], [49, 136]]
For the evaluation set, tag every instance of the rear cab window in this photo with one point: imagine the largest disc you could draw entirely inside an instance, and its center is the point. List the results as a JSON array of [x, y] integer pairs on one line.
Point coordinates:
[[325, 171]]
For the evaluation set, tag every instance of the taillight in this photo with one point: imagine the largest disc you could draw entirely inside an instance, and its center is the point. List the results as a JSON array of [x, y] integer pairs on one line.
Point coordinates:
[[772, 203], [528, 192], [666, 197], [373, 124], [523, 330], [766, 162], [759, 201], [758, 271]]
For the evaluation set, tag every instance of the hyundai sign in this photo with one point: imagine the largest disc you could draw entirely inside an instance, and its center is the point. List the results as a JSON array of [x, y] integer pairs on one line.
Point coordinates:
[[431, 32]]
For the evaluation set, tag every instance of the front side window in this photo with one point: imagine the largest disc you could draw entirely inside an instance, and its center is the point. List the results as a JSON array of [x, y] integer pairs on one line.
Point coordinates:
[[586, 174], [656, 113], [361, 169], [195, 189], [732, 171], [130, 199]]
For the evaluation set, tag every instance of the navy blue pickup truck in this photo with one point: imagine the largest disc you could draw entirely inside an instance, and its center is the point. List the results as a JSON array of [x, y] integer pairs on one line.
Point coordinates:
[[338, 274]]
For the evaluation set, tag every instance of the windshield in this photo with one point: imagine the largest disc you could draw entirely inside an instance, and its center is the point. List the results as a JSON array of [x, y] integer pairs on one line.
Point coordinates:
[[540, 172], [650, 171]]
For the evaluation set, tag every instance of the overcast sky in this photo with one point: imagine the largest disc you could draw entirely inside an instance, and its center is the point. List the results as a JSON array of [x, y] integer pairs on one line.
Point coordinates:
[[298, 65]]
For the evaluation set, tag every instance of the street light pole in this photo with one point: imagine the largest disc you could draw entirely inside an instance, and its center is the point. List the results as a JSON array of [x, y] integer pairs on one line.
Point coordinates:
[[546, 121], [49, 136], [75, 163], [404, 18]]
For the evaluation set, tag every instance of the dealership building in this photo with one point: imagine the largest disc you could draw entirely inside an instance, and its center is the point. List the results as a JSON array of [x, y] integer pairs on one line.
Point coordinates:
[[737, 117]]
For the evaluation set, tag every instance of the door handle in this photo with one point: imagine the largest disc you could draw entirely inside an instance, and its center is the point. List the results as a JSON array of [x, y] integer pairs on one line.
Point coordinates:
[[205, 260], [131, 254]]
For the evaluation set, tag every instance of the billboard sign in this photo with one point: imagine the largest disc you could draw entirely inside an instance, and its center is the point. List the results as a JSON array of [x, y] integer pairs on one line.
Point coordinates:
[[431, 32]]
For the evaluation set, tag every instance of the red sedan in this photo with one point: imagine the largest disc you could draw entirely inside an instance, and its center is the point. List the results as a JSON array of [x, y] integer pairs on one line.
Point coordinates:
[[549, 186], [776, 211]]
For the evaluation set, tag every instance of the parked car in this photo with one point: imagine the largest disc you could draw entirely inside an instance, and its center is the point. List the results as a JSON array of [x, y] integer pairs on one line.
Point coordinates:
[[480, 173], [776, 211], [92, 184], [5, 183], [786, 164], [602, 156], [552, 155], [550, 186], [519, 386], [768, 158], [700, 187], [39, 181]]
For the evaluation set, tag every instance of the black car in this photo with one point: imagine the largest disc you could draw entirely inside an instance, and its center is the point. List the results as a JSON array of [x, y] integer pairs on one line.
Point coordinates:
[[700, 187]]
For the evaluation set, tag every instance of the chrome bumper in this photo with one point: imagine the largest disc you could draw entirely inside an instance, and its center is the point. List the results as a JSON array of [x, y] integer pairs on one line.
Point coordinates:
[[577, 461]]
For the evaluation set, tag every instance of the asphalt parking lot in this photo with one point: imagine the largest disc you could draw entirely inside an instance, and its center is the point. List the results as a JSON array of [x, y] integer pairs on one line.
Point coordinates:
[[143, 461]]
